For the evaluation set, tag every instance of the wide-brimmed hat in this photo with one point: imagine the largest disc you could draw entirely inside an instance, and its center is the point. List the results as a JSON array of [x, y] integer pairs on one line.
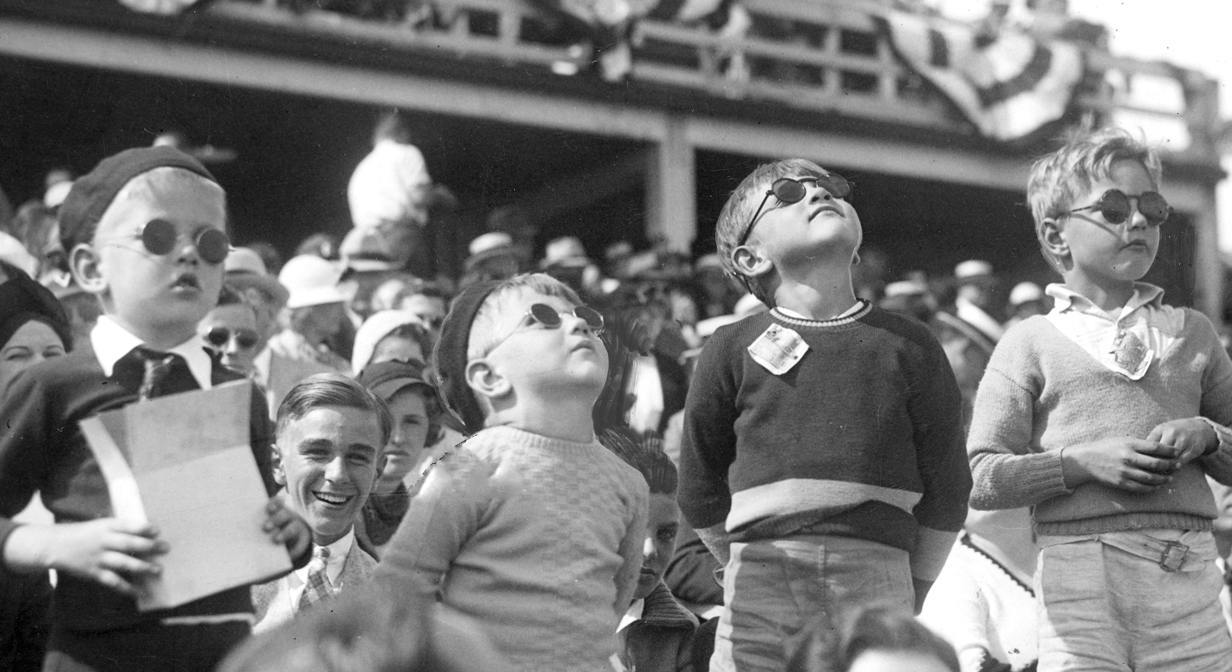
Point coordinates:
[[311, 281]]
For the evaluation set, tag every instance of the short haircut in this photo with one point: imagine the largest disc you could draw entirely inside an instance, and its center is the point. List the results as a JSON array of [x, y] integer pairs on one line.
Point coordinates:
[[332, 389], [742, 205], [482, 334], [824, 648], [1059, 179], [644, 452], [145, 186]]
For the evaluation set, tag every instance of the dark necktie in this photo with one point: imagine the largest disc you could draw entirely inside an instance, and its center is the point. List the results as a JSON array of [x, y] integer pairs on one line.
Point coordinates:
[[157, 366]]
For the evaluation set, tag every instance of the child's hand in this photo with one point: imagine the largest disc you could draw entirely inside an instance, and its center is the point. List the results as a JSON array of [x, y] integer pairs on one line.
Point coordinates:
[[1190, 436], [1130, 464], [110, 551], [286, 527]]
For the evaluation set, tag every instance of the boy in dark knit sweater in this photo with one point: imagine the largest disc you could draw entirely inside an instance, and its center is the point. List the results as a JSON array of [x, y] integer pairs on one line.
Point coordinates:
[[1105, 416], [145, 230], [823, 455], [531, 527]]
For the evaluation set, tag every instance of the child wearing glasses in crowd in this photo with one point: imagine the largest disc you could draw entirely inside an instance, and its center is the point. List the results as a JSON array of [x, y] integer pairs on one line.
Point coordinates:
[[145, 231], [531, 527], [823, 457], [1105, 416]]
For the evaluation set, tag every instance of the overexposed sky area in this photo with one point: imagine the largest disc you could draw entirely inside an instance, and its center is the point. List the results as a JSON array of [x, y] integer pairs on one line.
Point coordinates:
[[1191, 33]]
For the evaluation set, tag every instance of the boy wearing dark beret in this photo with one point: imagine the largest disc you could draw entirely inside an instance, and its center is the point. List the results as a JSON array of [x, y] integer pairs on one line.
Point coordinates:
[[145, 234]]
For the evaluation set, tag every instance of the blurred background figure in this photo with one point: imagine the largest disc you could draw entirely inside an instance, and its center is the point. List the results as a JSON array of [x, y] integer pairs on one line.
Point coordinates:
[[1026, 299], [33, 328], [490, 256], [910, 298], [872, 639], [391, 194], [368, 262], [247, 274], [230, 331], [317, 313], [390, 335], [982, 602], [977, 302], [565, 259]]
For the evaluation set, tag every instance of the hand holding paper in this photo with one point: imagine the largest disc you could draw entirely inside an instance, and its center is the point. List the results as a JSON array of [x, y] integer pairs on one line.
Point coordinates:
[[118, 554]]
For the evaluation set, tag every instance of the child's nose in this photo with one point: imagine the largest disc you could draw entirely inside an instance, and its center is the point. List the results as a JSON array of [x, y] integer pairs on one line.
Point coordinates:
[[648, 548], [577, 324], [187, 250]]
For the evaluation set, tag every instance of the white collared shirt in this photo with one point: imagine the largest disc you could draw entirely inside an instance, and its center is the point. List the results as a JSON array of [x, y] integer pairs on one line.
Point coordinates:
[[1144, 316], [632, 615], [297, 580], [111, 342]]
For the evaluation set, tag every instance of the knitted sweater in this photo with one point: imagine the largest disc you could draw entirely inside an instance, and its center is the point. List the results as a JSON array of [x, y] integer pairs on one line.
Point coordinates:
[[860, 438], [1043, 392], [42, 448], [537, 540]]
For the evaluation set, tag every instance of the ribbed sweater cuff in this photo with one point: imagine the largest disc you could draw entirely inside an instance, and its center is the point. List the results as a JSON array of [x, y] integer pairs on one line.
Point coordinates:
[[1048, 478], [1144, 520]]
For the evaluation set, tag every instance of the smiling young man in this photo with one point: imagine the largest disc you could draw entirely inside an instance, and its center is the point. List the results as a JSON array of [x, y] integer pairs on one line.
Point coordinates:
[[328, 454]]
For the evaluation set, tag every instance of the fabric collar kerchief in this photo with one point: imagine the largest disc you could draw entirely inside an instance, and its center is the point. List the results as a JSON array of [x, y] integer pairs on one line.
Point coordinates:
[[1126, 344], [111, 342]]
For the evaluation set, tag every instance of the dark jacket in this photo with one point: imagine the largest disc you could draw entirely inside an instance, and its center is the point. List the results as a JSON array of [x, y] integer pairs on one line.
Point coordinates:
[[662, 639]]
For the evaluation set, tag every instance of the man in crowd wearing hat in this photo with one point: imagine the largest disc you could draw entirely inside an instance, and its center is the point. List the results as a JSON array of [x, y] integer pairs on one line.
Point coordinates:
[[318, 311], [492, 256], [976, 303]]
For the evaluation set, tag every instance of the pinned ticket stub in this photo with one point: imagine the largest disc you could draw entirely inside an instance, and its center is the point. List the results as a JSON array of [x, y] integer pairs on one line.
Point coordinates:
[[778, 349]]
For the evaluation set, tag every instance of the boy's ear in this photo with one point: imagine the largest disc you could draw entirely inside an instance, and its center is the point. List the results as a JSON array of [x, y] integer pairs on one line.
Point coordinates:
[[750, 262], [486, 380], [280, 475], [83, 262], [1052, 237]]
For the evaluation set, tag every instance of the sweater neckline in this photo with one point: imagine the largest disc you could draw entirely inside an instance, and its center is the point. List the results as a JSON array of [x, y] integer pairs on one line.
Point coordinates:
[[846, 320], [530, 439]]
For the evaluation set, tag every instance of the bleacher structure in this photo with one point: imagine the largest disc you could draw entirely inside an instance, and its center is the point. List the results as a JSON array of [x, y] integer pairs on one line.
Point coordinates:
[[830, 85]]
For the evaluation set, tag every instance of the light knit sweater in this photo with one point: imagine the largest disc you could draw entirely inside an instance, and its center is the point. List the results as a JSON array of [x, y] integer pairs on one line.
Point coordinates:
[[536, 539], [1042, 392]]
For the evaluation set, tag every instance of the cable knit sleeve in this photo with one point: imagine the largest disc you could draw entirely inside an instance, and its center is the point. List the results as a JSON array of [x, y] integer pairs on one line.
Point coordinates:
[[1006, 470]]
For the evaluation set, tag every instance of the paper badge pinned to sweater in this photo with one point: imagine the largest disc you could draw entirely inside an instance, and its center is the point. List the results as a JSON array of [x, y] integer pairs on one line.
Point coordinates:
[[778, 349], [1130, 356]]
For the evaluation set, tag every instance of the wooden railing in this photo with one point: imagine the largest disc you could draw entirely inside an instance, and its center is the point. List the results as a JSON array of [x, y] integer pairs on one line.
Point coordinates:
[[827, 56]]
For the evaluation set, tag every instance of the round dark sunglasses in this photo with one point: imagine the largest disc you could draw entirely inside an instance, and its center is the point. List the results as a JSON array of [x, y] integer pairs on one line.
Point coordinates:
[[159, 237], [220, 336], [550, 318], [792, 190], [1114, 205]]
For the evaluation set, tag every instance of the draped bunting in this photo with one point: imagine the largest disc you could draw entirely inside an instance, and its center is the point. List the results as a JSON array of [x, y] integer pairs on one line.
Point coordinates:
[[1009, 85]]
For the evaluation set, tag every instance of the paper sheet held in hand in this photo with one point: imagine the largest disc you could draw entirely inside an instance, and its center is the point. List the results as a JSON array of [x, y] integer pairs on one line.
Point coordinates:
[[183, 462]]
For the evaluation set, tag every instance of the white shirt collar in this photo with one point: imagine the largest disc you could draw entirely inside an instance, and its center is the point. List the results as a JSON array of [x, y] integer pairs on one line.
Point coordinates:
[[632, 615], [1067, 299], [111, 342], [338, 552]]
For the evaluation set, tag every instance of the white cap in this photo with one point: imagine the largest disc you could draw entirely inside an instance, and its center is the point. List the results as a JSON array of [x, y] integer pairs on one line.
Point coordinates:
[[12, 251], [1024, 292], [489, 241], [972, 268], [312, 281], [905, 288], [55, 193], [366, 250], [565, 250]]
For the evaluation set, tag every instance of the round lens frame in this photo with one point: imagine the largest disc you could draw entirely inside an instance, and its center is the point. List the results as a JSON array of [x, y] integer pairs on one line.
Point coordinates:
[[159, 237], [220, 336], [1114, 206]]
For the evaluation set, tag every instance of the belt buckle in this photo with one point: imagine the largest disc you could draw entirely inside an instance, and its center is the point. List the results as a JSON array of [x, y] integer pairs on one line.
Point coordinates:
[[1173, 556]]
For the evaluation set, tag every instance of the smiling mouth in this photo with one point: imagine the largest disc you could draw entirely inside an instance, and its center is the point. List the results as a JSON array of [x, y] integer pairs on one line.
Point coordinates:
[[331, 498]]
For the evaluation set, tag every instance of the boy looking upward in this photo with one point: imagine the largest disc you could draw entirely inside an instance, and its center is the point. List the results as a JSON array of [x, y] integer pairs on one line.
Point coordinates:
[[822, 458], [145, 231], [327, 456], [1105, 416], [531, 527]]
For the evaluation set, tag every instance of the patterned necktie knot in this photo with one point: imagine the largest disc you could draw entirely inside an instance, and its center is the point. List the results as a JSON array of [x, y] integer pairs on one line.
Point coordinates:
[[317, 586]]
